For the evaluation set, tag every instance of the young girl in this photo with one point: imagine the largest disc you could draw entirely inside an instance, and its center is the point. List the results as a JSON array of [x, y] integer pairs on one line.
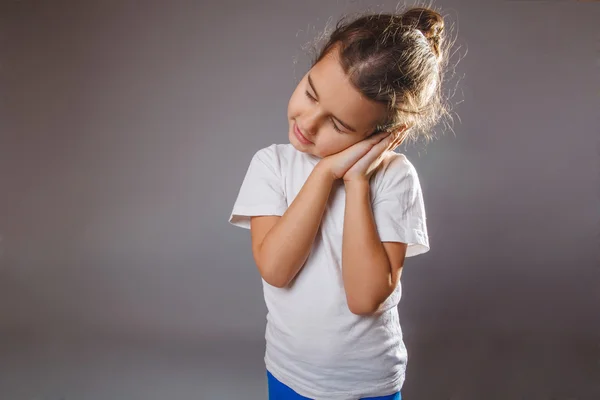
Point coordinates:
[[334, 213]]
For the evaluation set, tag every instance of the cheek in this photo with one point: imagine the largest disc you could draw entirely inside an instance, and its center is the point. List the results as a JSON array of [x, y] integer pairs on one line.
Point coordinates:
[[295, 105]]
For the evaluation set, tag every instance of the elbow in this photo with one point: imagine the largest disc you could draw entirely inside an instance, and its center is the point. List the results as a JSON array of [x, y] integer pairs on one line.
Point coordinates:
[[270, 272], [273, 276], [275, 281], [363, 308], [367, 303]]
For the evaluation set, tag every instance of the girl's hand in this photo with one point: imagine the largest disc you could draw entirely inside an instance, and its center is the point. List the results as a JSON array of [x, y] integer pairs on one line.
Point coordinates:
[[365, 166], [338, 164]]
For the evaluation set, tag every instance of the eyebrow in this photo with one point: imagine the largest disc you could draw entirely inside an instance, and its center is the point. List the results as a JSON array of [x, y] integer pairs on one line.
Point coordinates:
[[310, 82]]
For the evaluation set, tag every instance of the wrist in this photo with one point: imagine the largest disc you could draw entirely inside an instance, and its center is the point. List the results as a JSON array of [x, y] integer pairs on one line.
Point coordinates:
[[357, 183], [324, 172]]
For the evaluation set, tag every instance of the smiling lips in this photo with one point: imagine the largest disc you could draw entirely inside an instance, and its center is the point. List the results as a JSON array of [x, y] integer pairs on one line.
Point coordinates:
[[300, 136]]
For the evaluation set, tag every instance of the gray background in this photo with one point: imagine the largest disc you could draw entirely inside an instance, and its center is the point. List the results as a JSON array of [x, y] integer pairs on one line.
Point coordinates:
[[126, 129]]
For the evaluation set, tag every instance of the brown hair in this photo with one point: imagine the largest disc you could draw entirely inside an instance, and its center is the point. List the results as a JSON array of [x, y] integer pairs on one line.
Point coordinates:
[[397, 60]]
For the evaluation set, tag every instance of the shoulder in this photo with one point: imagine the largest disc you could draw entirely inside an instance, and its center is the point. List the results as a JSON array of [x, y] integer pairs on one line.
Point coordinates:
[[274, 159], [271, 156], [397, 163], [281, 157], [396, 170], [274, 153]]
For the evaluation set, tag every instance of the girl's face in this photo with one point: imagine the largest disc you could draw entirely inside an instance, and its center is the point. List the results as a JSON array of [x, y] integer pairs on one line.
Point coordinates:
[[327, 114]]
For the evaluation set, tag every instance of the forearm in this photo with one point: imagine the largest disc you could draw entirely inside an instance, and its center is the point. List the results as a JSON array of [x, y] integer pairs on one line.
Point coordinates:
[[287, 245], [366, 269]]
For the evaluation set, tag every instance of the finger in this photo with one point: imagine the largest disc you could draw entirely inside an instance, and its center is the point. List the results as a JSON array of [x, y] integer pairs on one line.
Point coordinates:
[[376, 138], [373, 158], [396, 143], [379, 137], [378, 149], [388, 142], [362, 148]]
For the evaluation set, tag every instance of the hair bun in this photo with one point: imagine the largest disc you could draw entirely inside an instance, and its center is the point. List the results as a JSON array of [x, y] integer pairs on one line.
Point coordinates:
[[429, 22]]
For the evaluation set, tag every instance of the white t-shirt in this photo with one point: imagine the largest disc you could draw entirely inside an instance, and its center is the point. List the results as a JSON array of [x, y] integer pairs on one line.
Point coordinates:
[[315, 345]]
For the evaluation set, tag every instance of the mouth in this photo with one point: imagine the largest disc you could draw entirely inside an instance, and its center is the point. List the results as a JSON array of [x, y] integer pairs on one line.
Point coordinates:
[[300, 136]]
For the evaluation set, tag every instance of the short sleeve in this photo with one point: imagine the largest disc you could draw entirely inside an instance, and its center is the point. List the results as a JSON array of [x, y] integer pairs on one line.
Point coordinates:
[[262, 191], [398, 207]]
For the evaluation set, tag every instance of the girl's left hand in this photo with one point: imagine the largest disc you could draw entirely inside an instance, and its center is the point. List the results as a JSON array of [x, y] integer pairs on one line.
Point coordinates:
[[364, 167]]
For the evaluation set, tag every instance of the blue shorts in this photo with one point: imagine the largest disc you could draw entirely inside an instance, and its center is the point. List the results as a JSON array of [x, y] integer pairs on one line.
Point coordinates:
[[278, 391]]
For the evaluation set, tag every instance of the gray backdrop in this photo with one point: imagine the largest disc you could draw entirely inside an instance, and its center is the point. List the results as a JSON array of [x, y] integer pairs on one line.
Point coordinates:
[[126, 129]]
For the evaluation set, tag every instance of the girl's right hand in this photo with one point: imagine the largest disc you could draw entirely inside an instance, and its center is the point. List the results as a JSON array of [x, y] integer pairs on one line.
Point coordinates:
[[338, 164]]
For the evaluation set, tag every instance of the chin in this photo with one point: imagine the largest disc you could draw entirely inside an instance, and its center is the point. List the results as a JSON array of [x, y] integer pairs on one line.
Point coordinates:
[[300, 147]]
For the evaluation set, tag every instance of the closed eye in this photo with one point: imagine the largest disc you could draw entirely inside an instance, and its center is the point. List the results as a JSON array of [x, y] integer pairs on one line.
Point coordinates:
[[335, 126], [311, 98]]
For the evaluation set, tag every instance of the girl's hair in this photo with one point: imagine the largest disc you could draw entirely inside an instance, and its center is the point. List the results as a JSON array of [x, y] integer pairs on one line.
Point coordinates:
[[397, 60]]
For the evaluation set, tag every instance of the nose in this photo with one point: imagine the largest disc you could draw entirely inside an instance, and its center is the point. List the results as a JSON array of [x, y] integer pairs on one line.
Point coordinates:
[[311, 124]]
